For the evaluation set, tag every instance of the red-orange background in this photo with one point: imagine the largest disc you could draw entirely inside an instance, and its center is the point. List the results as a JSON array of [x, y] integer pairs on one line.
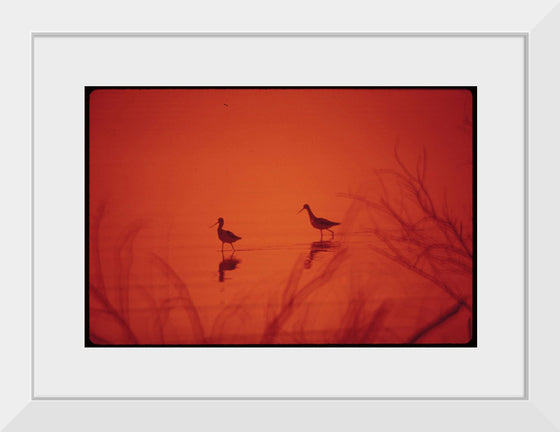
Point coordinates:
[[177, 159]]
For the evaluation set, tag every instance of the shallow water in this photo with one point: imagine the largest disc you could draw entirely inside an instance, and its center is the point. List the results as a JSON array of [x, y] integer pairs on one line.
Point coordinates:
[[184, 290]]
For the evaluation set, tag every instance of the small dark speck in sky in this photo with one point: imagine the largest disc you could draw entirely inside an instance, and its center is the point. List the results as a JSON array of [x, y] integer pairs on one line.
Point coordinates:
[[226, 105]]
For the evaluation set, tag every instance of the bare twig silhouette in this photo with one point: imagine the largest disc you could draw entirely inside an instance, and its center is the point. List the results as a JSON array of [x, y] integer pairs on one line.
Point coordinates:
[[421, 236]]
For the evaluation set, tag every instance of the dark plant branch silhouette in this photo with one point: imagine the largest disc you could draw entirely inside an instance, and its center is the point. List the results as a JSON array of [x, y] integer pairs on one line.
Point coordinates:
[[425, 239], [419, 235], [436, 323]]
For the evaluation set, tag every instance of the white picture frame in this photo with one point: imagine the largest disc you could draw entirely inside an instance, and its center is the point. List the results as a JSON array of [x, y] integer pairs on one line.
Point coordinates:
[[534, 410]]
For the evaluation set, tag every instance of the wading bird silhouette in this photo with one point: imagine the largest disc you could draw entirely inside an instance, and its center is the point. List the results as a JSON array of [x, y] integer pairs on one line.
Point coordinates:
[[224, 235], [319, 223]]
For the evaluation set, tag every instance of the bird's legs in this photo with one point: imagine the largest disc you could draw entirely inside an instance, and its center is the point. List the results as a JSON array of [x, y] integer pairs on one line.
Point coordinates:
[[321, 235], [232, 247], [222, 248], [332, 233]]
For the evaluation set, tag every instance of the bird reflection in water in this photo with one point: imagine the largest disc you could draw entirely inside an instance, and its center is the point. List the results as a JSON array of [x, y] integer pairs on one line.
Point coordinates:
[[227, 264], [318, 247]]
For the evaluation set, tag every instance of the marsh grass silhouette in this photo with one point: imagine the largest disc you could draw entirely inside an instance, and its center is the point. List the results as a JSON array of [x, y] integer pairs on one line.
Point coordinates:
[[119, 327], [296, 293], [101, 307]]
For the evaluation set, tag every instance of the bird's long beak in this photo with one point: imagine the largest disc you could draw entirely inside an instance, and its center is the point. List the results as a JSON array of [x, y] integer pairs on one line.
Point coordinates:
[[300, 210], [213, 225]]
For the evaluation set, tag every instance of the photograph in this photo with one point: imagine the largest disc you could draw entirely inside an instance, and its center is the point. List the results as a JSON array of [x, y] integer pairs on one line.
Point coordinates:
[[280, 216]]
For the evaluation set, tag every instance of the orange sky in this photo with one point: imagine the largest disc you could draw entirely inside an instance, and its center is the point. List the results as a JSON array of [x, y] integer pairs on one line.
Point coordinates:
[[184, 152]]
